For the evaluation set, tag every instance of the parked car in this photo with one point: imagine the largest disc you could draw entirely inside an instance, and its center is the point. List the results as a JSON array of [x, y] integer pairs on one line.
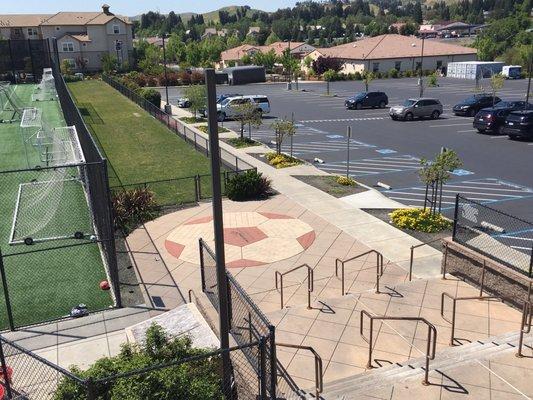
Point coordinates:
[[417, 108], [519, 124], [226, 108], [222, 97], [184, 102], [493, 118], [367, 99], [470, 106]]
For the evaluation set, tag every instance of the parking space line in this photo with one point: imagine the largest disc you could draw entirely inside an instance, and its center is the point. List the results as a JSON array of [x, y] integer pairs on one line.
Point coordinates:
[[447, 125]]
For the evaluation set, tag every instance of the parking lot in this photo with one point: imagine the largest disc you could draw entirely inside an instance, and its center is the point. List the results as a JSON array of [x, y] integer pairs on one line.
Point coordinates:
[[495, 170]]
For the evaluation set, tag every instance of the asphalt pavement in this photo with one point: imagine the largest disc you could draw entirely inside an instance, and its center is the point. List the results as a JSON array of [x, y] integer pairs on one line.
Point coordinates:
[[496, 171]]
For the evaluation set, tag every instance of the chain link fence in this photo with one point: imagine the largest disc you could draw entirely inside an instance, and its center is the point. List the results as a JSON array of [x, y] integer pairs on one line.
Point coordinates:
[[247, 324], [196, 377], [23, 60], [495, 234], [199, 142]]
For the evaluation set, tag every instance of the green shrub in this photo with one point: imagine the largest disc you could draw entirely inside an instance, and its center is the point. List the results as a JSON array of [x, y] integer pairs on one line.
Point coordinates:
[[357, 76], [240, 143], [192, 120], [408, 73], [250, 185], [393, 73], [152, 95], [205, 129], [134, 206], [419, 220], [72, 78], [197, 380]]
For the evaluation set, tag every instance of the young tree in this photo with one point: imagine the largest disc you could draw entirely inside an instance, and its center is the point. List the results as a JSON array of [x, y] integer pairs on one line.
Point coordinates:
[[368, 76], [496, 83], [272, 38], [197, 96], [436, 173], [247, 114], [290, 64], [109, 63], [322, 64], [283, 128]]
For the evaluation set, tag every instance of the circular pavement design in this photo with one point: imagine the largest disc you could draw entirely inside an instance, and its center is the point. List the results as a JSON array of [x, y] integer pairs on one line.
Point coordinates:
[[250, 238]]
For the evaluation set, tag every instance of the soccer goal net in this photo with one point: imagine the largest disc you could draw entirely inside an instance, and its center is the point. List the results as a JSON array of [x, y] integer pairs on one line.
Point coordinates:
[[46, 89], [54, 206], [11, 103]]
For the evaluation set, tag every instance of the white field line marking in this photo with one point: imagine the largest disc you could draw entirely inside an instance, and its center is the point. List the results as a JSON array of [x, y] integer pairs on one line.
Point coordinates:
[[499, 137], [474, 187]]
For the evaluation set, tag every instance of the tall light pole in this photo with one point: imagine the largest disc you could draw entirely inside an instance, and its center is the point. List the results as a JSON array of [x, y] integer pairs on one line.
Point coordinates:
[[168, 107], [420, 78], [348, 138], [218, 225]]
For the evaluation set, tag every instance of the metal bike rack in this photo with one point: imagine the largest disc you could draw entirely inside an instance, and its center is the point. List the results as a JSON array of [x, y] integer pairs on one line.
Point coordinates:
[[525, 327], [431, 338], [454, 308], [319, 384], [413, 253], [310, 282], [379, 267]]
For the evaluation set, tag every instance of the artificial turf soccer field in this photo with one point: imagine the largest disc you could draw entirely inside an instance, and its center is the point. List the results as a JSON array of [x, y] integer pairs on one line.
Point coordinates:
[[44, 285]]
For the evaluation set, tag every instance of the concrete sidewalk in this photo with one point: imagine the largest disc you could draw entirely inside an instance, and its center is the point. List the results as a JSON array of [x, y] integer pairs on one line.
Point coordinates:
[[346, 214]]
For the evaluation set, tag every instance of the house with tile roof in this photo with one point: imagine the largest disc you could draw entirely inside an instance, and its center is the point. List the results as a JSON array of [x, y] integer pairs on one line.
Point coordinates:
[[403, 53], [234, 56], [83, 38]]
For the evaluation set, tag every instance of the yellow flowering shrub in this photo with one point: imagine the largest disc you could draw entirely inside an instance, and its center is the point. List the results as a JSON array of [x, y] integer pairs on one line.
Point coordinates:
[[419, 220], [345, 181], [281, 160]]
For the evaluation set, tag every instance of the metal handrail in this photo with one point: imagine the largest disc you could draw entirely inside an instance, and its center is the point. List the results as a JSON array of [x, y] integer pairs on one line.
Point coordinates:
[[310, 282], [431, 338], [379, 267], [525, 326], [413, 253], [454, 308], [191, 293], [319, 384]]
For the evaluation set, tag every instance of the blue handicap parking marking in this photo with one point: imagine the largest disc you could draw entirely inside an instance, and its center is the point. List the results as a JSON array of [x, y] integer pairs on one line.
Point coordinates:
[[386, 151], [334, 136], [461, 172]]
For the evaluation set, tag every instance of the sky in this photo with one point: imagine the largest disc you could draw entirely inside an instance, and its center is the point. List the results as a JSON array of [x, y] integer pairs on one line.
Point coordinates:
[[133, 7]]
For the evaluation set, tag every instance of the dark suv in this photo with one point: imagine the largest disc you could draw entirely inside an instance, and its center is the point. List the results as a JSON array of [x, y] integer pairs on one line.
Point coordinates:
[[367, 99], [519, 124], [493, 118], [470, 106]]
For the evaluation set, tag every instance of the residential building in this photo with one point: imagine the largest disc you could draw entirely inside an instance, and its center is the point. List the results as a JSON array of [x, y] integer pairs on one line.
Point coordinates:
[[234, 56], [83, 38], [403, 53], [254, 30], [210, 32]]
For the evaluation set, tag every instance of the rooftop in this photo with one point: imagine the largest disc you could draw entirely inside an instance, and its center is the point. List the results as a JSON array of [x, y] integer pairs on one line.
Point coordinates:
[[393, 46]]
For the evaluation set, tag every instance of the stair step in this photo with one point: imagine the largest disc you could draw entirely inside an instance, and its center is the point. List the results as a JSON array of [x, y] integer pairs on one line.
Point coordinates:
[[447, 359]]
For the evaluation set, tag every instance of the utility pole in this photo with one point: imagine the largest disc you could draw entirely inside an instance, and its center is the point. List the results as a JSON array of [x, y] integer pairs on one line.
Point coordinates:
[[421, 79], [529, 71], [348, 138], [168, 107], [222, 280]]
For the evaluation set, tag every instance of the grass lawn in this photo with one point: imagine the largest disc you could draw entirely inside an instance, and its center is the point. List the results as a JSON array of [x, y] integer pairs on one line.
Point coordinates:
[[139, 147], [45, 285]]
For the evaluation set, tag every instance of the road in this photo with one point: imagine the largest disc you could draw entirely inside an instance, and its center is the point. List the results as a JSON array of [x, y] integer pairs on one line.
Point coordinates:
[[495, 170]]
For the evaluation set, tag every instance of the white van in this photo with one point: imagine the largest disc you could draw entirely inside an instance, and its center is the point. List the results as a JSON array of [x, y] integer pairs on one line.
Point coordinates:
[[226, 108], [512, 71]]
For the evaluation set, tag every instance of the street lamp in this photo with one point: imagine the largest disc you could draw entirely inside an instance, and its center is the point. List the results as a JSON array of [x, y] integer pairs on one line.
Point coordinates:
[[420, 78], [168, 107]]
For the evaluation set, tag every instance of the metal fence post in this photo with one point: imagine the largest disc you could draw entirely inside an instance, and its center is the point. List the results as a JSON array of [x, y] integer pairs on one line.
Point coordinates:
[[273, 362], [202, 266], [262, 368], [9, 311], [531, 263], [455, 214], [196, 188], [91, 390], [7, 381]]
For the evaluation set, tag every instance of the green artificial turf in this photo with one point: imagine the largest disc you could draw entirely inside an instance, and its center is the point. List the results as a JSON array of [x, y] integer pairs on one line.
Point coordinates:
[[139, 147], [44, 285]]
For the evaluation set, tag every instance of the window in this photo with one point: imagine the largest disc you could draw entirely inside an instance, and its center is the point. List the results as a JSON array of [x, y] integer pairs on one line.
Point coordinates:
[[439, 64], [418, 65], [116, 29], [397, 65], [32, 32], [58, 28], [68, 47], [375, 67]]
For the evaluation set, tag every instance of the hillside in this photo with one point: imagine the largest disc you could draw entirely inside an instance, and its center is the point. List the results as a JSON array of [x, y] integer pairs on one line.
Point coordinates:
[[208, 16]]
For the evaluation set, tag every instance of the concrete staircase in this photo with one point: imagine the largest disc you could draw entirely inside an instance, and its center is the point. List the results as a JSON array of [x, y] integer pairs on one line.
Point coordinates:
[[450, 358]]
